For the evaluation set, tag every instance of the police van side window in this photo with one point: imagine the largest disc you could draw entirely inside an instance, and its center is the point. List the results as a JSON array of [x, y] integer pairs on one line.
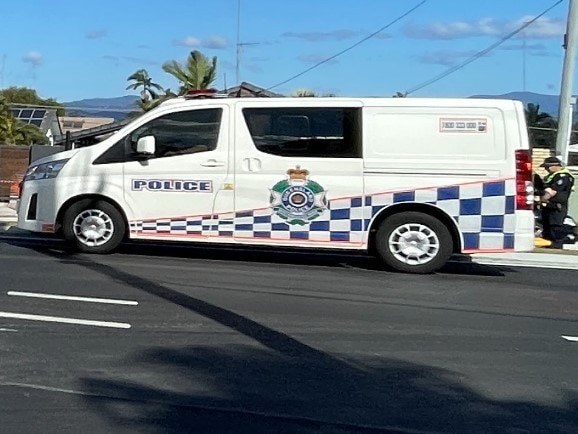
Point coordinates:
[[175, 134], [179, 133], [306, 132]]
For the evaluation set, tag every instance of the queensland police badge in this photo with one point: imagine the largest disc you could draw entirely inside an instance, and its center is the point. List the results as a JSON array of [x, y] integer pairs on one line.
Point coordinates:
[[297, 199]]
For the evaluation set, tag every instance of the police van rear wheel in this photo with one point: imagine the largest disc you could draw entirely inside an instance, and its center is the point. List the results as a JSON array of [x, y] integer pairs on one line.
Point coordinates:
[[94, 226], [413, 242]]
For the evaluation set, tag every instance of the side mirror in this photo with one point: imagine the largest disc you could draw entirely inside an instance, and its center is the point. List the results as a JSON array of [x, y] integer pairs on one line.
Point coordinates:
[[146, 145]]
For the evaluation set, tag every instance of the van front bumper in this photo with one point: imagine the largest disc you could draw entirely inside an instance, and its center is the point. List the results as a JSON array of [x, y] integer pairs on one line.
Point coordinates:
[[36, 210]]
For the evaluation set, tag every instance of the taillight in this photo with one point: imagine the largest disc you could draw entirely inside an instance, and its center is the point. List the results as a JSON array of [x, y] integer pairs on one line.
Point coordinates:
[[524, 181]]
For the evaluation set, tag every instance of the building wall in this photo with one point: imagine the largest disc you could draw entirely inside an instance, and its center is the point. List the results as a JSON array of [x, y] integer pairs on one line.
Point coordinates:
[[78, 123], [538, 156]]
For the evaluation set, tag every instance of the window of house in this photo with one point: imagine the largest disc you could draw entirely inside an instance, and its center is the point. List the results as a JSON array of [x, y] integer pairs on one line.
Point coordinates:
[[306, 132], [186, 132], [72, 124]]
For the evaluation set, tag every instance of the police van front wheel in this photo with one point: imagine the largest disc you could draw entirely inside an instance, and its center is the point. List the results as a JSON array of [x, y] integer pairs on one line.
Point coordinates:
[[413, 242], [93, 226]]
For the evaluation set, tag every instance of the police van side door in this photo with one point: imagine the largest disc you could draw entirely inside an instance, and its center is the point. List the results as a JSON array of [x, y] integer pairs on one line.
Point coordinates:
[[299, 172], [184, 178]]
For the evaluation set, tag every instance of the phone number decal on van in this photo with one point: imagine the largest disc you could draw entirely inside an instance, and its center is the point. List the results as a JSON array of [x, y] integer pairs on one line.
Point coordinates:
[[463, 125], [165, 185]]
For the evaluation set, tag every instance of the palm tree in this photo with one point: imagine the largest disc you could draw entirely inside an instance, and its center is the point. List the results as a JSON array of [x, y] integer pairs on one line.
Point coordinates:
[[200, 72], [141, 78], [536, 118], [304, 93], [542, 127]]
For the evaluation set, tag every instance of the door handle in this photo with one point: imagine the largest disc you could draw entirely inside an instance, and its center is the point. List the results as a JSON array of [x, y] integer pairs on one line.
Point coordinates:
[[251, 164], [213, 163]]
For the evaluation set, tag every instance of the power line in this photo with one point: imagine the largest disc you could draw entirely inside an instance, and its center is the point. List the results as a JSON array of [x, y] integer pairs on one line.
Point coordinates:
[[352, 46], [481, 53]]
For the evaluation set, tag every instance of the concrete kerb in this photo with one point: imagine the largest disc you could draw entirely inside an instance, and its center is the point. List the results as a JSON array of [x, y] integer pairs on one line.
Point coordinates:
[[528, 259]]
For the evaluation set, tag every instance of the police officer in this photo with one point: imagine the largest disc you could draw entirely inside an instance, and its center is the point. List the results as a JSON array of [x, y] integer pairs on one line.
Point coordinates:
[[558, 185]]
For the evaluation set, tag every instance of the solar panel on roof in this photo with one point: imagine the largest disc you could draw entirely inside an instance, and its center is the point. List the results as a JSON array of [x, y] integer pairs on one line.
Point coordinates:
[[38, 114], [26, 114], [36, 122], [15, 112]]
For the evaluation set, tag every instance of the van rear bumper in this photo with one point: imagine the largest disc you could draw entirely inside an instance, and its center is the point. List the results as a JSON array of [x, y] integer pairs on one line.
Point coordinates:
[[525, 229]]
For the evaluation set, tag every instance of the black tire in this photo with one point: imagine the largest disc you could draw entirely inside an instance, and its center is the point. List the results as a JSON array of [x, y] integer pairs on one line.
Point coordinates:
[[437, 228], [115, 227]]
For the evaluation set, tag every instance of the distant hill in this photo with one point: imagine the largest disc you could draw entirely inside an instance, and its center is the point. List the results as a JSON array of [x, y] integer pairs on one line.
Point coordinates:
[[548, 103], [116, 108], [119, 107]]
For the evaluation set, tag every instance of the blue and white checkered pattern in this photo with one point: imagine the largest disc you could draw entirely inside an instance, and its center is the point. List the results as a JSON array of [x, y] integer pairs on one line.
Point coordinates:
[[484, 213]]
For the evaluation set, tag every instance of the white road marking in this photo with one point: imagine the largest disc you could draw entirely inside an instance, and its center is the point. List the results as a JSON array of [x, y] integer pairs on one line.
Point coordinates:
[[7, 330], [47, 388], [118, 325], [73, 298], [571, 338]]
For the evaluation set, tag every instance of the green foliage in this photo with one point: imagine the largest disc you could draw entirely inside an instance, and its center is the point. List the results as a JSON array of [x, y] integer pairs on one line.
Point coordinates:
[[199, 72], [15, 132], [141, 78], [542, 127], [27, 96], [304, 93]]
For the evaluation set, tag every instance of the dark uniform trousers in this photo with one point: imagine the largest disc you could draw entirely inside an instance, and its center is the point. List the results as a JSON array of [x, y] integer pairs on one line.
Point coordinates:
[[553, 223], [556, 210]]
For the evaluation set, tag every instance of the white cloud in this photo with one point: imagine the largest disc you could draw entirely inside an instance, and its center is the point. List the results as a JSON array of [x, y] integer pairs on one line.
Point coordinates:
[[215, 43], [189, 41], [543, 28], [211, 43], [34, 58]]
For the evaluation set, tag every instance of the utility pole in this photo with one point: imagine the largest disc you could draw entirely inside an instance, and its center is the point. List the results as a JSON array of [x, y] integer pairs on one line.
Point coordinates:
[[565, 109]]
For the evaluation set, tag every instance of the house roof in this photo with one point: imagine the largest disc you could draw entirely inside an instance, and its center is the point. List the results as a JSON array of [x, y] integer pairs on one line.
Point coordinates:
[[45, 119], [248, 89], [90, 133], [243, 90]]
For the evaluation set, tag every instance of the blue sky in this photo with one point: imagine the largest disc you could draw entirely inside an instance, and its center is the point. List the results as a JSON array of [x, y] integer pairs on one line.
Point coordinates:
[[73, 51]]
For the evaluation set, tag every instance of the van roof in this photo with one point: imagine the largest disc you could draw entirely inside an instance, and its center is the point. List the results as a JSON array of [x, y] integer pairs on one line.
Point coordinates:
[[369, 101]]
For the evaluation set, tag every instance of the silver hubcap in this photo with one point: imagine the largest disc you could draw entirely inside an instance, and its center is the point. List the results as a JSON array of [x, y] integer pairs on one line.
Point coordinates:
[[414, 244], [93, 227]]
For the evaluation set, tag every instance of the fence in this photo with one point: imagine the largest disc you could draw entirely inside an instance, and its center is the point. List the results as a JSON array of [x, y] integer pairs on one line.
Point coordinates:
[[14, 161]]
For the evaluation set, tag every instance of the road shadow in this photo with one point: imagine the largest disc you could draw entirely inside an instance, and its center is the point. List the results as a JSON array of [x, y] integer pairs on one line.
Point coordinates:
[[245, 389], [459, 265], [279, 384]]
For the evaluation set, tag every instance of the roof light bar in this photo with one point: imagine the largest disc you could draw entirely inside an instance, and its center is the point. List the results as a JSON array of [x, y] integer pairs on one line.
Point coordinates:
[[203, 93]]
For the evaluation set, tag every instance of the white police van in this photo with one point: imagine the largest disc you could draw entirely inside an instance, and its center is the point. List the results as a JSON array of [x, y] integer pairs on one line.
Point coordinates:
[[411, 180]]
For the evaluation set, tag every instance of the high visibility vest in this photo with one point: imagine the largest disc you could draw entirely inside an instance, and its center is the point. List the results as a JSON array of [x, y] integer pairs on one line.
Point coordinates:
[[550, 176]]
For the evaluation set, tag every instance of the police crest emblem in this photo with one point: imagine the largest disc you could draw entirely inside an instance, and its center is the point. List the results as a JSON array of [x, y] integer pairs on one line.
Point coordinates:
[[297, 199]]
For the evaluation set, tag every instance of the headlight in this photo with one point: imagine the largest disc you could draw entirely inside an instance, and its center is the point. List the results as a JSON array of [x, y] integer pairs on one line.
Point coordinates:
[[44, 171]]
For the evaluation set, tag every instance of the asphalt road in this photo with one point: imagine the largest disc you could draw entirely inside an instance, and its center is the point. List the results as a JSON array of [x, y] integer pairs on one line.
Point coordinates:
[[215, 341]]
